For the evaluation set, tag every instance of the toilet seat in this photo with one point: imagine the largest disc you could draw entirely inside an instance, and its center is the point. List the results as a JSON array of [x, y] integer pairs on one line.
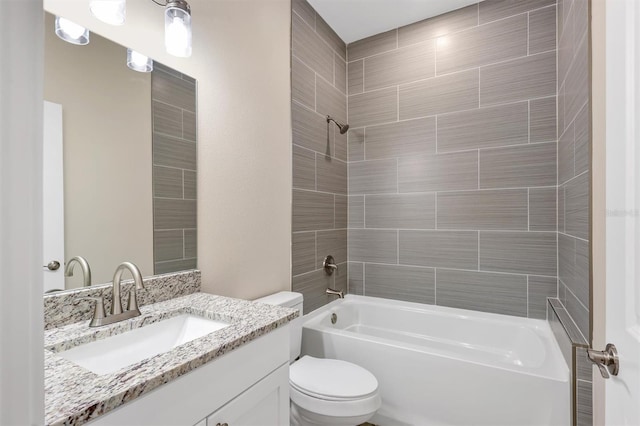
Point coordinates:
[[333, 387]]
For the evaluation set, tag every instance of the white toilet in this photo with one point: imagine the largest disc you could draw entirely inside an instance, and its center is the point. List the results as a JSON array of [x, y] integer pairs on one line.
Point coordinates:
[[325, 391]]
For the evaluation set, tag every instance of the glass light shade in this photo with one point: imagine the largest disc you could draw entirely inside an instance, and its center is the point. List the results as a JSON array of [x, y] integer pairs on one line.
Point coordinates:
[[177, 29], [138, 62], [112, 12], [71, 32]]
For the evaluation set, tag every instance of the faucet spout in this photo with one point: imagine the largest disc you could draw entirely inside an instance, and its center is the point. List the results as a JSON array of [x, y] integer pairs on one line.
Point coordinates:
[[116, 305], [332, 292], [84, 265]]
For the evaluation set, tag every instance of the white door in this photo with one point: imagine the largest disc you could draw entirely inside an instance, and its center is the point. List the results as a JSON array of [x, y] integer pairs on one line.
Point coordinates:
[[622, 392], [52, 199]]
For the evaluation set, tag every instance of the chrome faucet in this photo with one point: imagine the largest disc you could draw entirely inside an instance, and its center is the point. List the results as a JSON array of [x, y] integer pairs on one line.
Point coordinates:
[[332, 292], [84, 265], [117, 314]]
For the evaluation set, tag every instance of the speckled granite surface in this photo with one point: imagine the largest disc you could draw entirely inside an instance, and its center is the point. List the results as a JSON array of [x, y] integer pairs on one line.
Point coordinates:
[[64, 307], [74, 395]]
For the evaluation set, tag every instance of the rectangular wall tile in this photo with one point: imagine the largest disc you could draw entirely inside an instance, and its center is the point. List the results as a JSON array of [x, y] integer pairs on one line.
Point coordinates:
[[356, 144], [174, 266], [582, 127], [304, 10], [373, 177], [484, 127], [439, 249], [483, 45], [190, 243], [330, 101], [167, 119], [173, 91], [303, 83], [174, 214], [405, 138], [579, 314], [519, 252], [577, 86], [356, 278], [439, 95], [340, 74], [190, 180], [330, 37], [400, 282], [312, 211], [189, 126], [543, 121], [539, 289], [310, 48], [438, 26], [567, 260], [331, 175], [304, 168], [584, 401], [483, 210], [341, 212], [340, 150], [373, 45], [303, 252], [518, 166], [399, 66], [499, 9], [380, 106], [577, 207], [402, 211], [442, 172], [542, 30], [371, 245], [542, 209], [172, 152], [561, 209], [482, 291], [355, 77], [356, 211], [167, 182], [332, 243], [566, 160], [581, 284], [168, 245], [310, 129], [519, 79]]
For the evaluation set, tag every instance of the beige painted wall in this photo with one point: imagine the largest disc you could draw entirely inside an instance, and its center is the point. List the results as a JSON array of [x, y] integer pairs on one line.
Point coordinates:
[[107, 153], [241, 60]]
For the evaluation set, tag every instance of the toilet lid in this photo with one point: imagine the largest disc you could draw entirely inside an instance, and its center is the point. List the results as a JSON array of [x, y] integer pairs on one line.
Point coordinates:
[[331, 378]]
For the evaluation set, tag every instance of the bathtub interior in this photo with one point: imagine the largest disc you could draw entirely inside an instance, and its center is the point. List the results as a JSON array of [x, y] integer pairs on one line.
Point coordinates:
[[497, 341]]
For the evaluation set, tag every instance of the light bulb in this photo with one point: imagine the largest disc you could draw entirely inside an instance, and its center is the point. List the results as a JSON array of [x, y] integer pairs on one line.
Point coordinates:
[[139, 62], [71, 32], [177, 29], [112, 12]]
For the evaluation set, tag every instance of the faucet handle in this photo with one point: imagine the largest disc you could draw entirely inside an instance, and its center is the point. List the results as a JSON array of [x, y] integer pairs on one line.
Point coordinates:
[[98, 312], [132, 305]]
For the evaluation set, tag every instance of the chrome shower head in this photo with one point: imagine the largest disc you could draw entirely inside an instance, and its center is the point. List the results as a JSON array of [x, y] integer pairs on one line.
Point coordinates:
[[343, 127]]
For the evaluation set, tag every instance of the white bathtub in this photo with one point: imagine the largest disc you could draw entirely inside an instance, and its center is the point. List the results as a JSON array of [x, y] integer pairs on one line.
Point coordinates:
[[445, 366]]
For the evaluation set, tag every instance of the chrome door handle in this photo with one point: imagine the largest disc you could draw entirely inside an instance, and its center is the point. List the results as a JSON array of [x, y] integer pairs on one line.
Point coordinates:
[[607, 361], [54, 265]]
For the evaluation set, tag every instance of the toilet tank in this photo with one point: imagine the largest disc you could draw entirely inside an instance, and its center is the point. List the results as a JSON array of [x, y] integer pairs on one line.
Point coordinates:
[[289, 299]]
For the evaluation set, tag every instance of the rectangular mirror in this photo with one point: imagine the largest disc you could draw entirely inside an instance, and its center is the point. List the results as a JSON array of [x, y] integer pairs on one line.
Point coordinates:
[[119, 163]]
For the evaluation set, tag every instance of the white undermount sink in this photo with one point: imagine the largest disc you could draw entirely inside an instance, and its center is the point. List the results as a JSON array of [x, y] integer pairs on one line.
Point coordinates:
[[113, 353]]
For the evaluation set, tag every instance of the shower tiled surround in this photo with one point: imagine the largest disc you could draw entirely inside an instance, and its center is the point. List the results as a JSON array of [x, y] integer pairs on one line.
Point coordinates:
[[318, 89], [174, 170], [452, 160]]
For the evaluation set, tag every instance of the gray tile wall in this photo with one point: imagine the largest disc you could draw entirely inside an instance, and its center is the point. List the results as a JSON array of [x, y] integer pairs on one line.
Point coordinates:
[[574, 198], [318, 89], [452, 160], [174, 170]]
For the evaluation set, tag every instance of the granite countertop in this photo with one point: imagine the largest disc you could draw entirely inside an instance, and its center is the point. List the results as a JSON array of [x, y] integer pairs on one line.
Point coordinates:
[[74, 395]]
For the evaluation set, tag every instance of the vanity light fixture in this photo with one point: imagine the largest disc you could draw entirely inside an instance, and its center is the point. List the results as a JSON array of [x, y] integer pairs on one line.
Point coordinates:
[[112, 12], [177, 28], [139, 62], [71, 32]]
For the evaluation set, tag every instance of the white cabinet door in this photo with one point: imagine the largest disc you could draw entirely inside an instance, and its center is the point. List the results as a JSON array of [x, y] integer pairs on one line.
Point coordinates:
[[264, 404]]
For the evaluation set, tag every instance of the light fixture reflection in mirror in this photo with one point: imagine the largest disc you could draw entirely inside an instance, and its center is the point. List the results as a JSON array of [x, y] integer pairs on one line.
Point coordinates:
[[112, 12], [177, 28], [71, 32], [139, 62]]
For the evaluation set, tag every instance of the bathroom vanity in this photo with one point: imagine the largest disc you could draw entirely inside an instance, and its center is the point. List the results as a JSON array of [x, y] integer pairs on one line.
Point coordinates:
[[236, 374]]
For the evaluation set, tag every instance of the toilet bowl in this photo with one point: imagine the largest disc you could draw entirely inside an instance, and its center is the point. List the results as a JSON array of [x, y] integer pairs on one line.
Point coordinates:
[[322, 391]]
